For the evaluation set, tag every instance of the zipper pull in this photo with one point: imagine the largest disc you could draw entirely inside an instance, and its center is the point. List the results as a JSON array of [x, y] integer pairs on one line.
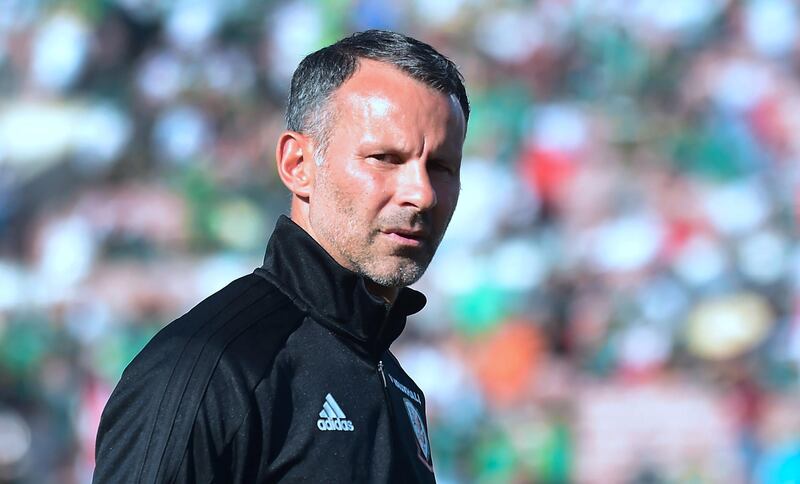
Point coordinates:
[[380, 370]]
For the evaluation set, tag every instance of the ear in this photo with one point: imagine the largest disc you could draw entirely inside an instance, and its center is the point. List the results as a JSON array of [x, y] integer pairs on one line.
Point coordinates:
[[294, 156]]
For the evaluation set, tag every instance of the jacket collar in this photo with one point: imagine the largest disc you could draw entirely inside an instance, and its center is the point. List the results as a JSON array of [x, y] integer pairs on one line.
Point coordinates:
[[336, 296]]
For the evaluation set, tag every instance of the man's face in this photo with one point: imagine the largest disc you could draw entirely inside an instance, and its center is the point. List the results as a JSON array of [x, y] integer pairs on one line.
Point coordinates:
[[389, 179]]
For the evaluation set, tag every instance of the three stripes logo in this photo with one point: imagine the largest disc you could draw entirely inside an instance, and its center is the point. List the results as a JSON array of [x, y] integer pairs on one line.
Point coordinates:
[[332, 417]]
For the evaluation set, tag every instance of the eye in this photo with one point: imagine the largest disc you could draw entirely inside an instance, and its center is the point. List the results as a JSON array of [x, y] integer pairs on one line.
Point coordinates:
[[385, 158]]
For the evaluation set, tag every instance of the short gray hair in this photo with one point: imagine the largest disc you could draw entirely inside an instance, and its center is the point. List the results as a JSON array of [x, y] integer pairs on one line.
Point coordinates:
[[324, 71]]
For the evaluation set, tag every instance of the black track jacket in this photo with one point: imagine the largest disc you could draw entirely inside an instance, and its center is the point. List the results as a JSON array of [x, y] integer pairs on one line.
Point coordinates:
[[283, 376]]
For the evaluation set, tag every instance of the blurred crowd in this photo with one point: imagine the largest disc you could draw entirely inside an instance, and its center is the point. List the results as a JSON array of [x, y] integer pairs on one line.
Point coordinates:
[[616, 300]]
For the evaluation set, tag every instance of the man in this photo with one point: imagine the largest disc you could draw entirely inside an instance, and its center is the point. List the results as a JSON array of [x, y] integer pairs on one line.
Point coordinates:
[[285, 374]]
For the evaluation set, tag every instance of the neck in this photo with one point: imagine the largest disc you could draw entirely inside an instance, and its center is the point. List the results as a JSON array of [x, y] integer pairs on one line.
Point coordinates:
[[388, 294]]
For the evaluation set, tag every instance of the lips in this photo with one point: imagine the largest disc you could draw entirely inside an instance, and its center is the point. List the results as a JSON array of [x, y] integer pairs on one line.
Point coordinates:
[[411, 234], [407, 237]]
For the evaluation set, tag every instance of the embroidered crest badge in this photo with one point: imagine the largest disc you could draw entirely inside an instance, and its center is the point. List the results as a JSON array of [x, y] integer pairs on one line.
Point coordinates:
[[419, 431]]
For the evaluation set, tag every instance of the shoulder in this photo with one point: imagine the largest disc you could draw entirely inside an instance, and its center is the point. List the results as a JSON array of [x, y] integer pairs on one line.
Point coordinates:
[[212, 329], [241, 327], [245, 302], [247, 305], [215, 354]]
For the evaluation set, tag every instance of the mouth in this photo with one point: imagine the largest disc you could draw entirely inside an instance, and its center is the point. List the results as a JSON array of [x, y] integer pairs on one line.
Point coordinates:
[[407, 238]]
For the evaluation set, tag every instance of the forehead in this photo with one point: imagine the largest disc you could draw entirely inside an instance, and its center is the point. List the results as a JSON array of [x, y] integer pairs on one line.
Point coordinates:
[[379, 92]]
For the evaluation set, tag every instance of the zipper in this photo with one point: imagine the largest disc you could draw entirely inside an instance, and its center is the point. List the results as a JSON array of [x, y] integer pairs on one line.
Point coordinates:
[[385, 391], [380, 372]]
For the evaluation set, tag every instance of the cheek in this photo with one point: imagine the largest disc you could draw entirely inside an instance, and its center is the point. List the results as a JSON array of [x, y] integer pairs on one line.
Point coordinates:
[[367, 187], [347, 184], [358, 175]]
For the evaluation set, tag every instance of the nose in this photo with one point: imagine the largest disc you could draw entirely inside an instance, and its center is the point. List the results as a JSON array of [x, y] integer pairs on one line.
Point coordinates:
[[415, 187]]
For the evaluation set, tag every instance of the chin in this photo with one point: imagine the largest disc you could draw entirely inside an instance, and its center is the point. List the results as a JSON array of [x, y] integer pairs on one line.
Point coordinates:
[[400, 275]]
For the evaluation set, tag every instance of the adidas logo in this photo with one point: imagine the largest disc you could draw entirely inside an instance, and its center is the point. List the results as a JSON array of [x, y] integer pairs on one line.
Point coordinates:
[[332, 417]]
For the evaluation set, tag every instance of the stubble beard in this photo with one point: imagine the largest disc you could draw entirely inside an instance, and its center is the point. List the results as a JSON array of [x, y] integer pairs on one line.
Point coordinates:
[[362, 254], [359, 248]]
